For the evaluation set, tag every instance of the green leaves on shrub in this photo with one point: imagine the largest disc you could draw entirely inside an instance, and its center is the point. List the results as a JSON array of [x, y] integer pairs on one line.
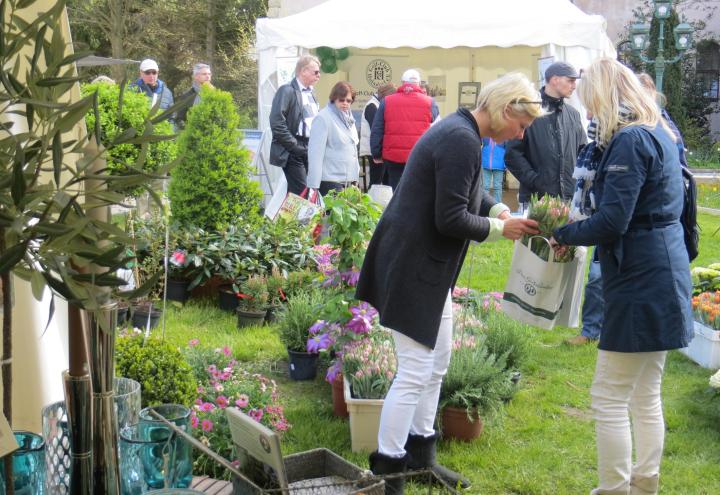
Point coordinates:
[[352, 219], [476, 380], [212, 185], [119, 128], [297, 316], [160, 368]]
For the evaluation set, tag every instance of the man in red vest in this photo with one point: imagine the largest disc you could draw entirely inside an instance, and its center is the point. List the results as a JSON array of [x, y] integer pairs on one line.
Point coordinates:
[[400, 120]]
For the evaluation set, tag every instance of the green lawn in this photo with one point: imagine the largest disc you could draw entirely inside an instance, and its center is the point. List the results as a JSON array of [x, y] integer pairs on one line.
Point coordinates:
[[709, 194], [543, 443]]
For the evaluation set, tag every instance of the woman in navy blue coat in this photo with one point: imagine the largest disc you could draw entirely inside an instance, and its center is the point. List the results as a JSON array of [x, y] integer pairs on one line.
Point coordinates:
[[645, 274]]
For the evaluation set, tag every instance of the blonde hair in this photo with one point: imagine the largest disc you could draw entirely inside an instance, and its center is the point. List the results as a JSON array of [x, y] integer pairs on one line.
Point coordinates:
[[512, 92], [649, 84], [304, 61], [605, 84]]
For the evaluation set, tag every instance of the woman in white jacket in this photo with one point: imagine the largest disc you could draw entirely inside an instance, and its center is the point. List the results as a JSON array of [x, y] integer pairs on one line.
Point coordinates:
[[332, 150]]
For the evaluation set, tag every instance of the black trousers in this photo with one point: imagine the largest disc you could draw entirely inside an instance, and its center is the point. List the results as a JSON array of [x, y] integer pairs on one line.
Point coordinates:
[[295, 171], [378, 173], [327, 186], [394, 173]]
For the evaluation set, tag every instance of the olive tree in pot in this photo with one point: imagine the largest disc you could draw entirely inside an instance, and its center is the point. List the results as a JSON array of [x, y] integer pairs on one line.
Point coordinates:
[[54, 228], [295, 320]]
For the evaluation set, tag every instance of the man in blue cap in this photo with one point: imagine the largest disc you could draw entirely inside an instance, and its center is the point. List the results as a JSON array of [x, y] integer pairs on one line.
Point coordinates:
[[544, 160]]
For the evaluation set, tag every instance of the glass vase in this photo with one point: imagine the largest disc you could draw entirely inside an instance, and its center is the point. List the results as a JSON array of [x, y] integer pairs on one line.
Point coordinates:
[[28, 465], [57, 449], [176, 453], [127, 401]]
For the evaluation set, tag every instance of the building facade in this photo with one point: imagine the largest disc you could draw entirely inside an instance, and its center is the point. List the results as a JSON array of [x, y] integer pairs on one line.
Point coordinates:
[[704, 14]]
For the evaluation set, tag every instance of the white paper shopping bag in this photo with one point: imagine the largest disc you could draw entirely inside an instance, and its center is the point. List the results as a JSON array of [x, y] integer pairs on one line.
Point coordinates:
[[535, 288], [572, 301]]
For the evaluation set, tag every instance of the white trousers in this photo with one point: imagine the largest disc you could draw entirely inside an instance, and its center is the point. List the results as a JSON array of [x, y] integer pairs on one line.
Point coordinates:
[[625, 385], [411, 403]]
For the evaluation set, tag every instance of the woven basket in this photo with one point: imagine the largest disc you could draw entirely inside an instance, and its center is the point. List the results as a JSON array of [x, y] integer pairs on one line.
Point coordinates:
[[320, 472]]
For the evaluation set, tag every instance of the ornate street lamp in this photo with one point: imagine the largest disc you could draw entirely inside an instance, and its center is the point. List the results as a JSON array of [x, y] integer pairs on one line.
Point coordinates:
[[640, 34]]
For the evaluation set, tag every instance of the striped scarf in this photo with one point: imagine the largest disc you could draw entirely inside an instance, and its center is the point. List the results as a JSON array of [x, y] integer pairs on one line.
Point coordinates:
[[583, 201]]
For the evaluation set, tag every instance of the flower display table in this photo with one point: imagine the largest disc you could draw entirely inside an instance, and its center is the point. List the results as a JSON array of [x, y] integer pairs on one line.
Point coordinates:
[[704, 349]]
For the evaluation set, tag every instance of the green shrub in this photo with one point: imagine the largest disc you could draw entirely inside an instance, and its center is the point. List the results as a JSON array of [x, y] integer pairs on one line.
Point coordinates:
[[297, 316], [212, 185], [477, 380], [160, 368], [352, 219], [244, 250], [113, 124], [507, 337]]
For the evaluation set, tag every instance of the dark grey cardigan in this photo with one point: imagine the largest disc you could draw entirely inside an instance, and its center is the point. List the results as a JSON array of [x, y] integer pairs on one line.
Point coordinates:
[[417, 250]]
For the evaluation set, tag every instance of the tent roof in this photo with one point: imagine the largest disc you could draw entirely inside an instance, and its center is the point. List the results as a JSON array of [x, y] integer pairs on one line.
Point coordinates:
[[441, 23]]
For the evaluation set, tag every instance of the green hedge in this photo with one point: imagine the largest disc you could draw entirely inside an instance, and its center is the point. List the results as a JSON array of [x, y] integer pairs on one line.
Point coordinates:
[[113, 123]]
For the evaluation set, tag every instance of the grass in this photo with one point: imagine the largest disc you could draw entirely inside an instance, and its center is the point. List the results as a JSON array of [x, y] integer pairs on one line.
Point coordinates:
[[709, 194], [543, 443]]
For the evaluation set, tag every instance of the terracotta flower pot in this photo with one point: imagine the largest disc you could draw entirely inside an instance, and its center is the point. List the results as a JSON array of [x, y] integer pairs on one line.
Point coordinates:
[[338, 398], [456, 425]]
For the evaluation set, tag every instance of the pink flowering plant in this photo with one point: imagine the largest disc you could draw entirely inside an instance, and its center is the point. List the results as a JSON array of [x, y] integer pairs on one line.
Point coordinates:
[[224, 384], [370, 365], [179, 265]]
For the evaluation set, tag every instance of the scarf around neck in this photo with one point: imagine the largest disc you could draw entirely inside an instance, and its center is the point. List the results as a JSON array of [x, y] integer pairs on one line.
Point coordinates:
[[583, 201], [344, 117]]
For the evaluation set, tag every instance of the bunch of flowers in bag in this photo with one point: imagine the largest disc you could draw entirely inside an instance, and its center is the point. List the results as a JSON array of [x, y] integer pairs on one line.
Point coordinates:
[[370, 366], [550, 213]]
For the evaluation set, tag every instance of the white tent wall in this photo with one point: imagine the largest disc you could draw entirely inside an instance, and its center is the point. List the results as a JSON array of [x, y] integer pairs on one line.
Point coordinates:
[[463, 41]]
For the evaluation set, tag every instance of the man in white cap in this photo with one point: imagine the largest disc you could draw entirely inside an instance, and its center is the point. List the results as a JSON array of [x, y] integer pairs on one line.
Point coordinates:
[[155, 89], [400, 120]]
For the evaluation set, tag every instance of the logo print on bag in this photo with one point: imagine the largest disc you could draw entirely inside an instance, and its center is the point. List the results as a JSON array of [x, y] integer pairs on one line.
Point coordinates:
[[530, 289]]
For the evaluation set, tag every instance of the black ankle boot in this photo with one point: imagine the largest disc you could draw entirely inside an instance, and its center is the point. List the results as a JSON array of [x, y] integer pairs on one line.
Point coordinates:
[[381, 464], [421, 451]]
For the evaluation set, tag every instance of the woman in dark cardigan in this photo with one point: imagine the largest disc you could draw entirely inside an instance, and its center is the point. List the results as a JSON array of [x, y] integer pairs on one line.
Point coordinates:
[[415, 256]]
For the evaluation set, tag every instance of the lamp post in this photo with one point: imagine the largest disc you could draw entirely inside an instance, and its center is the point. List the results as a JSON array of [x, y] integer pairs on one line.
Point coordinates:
[[640, 34]]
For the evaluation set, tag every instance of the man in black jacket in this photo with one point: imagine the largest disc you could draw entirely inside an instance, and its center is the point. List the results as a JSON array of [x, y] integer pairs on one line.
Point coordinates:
[[293, 109], [544, 160], [202, 74]]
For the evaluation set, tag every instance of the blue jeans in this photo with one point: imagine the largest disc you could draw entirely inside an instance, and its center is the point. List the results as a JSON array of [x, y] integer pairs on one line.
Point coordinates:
[[493, 179], [593, 305]]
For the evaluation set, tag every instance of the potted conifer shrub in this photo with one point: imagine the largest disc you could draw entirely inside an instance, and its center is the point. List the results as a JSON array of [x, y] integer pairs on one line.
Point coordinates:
[[253, 299], [476, 384]]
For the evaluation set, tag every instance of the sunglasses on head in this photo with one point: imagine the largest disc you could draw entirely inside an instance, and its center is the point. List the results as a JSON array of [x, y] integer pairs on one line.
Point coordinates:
[[151, 71], [519, 101]]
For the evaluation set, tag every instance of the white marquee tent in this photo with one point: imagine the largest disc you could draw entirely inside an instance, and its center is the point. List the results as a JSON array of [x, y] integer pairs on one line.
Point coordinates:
[[450, 40]]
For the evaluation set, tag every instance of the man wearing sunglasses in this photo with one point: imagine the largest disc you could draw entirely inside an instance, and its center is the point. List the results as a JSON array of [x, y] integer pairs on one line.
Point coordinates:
[[149, 84], [293, 109]]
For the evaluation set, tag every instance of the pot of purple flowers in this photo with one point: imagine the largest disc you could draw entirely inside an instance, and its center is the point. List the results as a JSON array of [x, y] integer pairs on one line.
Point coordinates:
[[295, 320]]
